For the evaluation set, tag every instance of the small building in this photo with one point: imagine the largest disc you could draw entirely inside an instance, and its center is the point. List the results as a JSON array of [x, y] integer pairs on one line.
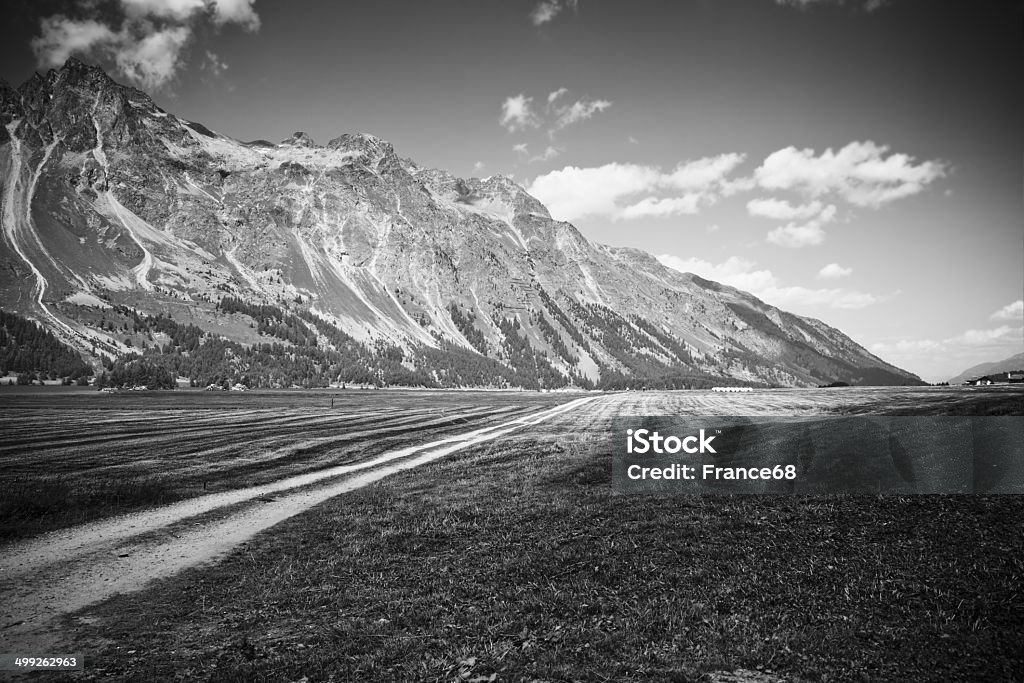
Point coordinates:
[[731, 390], [1012, 377]]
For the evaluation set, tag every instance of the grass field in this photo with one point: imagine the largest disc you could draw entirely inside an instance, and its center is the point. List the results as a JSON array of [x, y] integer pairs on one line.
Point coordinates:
[[512, 560], [72, 456], [69, 456]]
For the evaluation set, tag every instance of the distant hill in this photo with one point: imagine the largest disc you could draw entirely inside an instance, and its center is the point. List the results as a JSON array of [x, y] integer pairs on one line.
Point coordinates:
[[1015, 362]]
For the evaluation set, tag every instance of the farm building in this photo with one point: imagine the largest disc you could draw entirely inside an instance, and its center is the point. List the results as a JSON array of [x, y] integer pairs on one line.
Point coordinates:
[[1013, 377]]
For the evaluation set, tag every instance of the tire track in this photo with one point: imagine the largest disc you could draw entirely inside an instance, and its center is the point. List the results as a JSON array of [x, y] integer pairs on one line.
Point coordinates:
[[172, 449], [62, 572]]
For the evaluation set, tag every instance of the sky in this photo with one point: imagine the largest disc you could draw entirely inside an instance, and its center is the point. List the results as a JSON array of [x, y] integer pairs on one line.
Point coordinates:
[[858, 161]]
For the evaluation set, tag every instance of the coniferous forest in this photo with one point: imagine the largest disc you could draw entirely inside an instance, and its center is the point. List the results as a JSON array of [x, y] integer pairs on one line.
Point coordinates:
[[308, 351], [35, 353]]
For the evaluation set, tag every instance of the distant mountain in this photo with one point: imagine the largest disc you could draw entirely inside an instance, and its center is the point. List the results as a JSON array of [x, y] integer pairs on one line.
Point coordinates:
[[1015, 362], [143, 239]]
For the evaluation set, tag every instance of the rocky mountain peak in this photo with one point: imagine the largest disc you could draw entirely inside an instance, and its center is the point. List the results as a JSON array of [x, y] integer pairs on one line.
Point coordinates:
[[74, 102], [370, 145], [506, 189], [76, 78], [300, 139], [77, 72]]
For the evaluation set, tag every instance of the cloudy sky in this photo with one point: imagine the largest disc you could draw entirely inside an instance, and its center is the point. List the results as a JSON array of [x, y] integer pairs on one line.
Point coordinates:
[[859, 161]]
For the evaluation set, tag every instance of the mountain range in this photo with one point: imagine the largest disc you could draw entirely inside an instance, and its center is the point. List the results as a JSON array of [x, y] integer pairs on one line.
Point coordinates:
[[149, 243], [1014, 362]]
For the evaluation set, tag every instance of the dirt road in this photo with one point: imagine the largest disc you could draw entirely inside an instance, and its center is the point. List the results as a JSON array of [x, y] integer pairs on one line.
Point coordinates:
[[59, 573]]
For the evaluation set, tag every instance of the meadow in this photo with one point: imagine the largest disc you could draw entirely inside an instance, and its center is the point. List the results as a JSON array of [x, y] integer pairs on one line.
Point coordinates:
[[509, 558], [69, 456]]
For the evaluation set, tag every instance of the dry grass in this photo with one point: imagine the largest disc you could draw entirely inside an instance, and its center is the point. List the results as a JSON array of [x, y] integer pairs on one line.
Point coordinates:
[[73, 457], [514, 561], [517, 563], [31, 506]]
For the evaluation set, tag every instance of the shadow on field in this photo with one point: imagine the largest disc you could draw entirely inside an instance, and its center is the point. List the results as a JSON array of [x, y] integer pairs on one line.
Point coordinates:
[[31, 506]]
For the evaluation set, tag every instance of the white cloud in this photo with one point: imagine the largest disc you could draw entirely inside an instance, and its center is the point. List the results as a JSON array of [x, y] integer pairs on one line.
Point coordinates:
[[521, 148], [222, 12], [624, 191], [809, 234], [864, 174], [735, 185], [547, 155], [517, 113], [574, 192], [661, 208], [993, 337], [780, 209], [632, 140], [797, 236], [581, 110], [762, 283], [478, 166], [62, 37], [859, 172], [214, 63], [987, 337], [1011, 311], [555, 94], [735, 271], [834, 271], [955, 353], [546, 10], [239, 12], [153, 60], [703, 173], [868, 5], [164, 9], [147, 46]]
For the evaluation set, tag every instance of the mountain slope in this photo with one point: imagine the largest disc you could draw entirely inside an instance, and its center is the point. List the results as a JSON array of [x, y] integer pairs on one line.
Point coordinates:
[[348, 258], [1014, 362]]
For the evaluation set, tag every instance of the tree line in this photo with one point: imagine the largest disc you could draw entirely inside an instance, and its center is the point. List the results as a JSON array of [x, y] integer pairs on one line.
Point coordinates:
[[35, 353]]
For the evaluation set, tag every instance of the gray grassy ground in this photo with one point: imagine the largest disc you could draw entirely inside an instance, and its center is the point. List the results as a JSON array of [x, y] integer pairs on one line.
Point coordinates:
[[513, 561]]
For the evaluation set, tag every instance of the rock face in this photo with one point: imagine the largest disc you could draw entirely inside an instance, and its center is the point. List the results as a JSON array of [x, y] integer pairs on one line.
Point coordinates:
[[109, 200]]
